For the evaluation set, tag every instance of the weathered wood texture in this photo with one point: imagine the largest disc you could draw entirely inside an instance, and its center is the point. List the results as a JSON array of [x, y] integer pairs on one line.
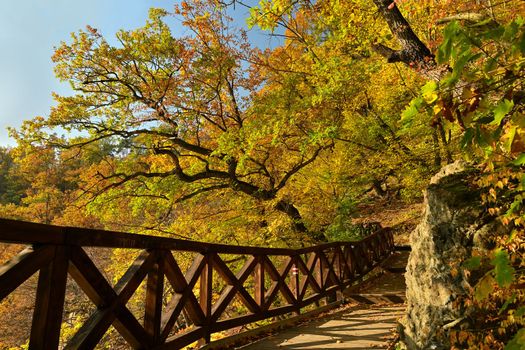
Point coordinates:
[[210, 296]]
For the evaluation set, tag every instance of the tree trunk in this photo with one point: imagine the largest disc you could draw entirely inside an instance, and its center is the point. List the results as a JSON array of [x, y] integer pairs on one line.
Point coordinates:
[[298, 223], [413, 52]]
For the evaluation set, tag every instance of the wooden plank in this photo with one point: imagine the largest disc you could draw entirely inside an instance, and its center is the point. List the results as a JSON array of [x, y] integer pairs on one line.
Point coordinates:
[[348, 263], [89, 278], [295, 278], [258, 277], [316, 248], [17, 270], [130, 328], [14, 231], [230, 323], [234, 341], [280, 283], [49, 304], [329, 275], [205, 295], [183, 339], [222, 302], [312, 299], [339, 263], [335, 272], [31, 233], [223, 325], [154, 293], [319, 272]]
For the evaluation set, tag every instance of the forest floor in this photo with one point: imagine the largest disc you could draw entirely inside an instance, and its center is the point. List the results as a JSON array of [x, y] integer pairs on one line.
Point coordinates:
[[402, 217]]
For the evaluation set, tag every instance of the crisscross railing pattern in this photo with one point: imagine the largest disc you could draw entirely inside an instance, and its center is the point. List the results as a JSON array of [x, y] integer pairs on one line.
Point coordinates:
[[262, 283]]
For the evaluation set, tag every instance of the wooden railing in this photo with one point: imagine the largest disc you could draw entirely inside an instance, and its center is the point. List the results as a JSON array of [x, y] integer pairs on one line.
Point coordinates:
[[267, 282]]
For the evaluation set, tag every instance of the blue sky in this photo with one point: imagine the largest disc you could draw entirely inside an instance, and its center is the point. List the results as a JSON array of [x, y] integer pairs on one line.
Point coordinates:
[[29, 29]]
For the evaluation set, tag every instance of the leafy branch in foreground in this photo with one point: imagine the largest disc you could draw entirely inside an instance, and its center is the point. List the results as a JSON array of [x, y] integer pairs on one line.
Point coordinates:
[[483, 95]]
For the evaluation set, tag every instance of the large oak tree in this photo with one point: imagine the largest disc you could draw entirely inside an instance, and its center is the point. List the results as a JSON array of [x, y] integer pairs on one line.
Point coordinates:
[[191, 110]]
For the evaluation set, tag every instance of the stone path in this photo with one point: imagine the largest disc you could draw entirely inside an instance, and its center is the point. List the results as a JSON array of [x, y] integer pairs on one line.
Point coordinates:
[[353, 327], [356, 327]]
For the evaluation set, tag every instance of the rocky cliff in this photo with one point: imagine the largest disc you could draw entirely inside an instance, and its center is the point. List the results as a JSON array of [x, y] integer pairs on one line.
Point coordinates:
[[452, 226]]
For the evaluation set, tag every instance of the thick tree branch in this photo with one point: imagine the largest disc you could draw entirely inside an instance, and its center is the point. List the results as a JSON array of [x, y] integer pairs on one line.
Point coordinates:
[[201, 190], [179, 172], [391, 55], [124, 178], [413, 50], [470, 18]]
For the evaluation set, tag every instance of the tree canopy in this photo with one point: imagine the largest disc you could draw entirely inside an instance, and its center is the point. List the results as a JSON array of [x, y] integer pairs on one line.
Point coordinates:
[[205, 136]]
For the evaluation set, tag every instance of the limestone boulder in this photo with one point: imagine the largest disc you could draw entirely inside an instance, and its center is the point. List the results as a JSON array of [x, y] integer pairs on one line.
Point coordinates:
[[452, 225]]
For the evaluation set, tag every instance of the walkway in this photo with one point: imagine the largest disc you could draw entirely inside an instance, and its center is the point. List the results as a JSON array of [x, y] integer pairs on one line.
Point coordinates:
[[358, 326]]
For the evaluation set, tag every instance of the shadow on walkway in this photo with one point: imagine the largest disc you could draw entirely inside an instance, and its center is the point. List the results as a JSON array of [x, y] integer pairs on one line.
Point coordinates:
[[355, 327]]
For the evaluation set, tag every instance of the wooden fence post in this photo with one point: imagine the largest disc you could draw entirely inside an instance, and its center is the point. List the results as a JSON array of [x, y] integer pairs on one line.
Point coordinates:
[[259, 282], [49, 304], [296, 284], [205, 297], [154, 294]]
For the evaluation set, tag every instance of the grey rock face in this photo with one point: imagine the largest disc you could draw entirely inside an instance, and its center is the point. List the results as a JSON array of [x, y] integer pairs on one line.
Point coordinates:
[[452, 225]]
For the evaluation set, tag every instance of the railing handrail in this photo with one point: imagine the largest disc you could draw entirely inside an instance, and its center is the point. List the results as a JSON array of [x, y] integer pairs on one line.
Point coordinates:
[[24, 232], [57, 252]]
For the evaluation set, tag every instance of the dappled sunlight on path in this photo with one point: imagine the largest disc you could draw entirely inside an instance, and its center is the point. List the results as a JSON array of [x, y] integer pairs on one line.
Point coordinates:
[[355, 327]]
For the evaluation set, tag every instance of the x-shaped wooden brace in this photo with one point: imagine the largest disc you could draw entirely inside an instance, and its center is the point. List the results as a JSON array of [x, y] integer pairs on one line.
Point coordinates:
[[183, 297], [279, 282], [235, 286], [307, 270], [111, 303]]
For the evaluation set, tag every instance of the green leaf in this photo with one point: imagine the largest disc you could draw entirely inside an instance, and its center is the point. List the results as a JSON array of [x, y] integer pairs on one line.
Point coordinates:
[[520, 45], [520, 160], [503, 108], [473, 263], [511, 31], [504, 273], [445, 49], [509, 301], [511, 134], [462, 59], [484, 287], [520, 311], [518, 342], [467, 138], [428, 91], [407, 116], [516, 204]]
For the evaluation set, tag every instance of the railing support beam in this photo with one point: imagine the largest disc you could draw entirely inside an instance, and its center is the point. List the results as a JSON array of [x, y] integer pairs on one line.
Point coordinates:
[[206, 291], [153, 304], [49, 304]]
